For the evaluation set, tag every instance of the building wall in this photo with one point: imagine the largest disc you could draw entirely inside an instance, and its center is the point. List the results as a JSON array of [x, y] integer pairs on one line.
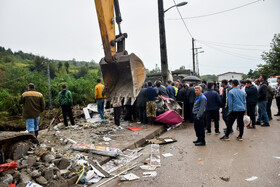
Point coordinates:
[[230, 76]]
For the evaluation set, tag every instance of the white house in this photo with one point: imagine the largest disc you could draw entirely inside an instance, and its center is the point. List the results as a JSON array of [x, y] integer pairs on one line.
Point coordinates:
[[229, 75]]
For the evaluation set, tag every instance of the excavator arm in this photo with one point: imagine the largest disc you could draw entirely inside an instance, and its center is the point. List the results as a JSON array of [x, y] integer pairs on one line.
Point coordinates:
[[123, 74]]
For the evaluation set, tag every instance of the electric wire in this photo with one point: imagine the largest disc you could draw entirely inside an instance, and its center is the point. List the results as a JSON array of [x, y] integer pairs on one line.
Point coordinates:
[[182, 19], [246, 57], [215, 13], [236, 48], [234, 44]]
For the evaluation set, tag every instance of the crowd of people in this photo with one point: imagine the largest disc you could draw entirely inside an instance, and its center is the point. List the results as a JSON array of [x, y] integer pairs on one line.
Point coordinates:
[[201, 103]]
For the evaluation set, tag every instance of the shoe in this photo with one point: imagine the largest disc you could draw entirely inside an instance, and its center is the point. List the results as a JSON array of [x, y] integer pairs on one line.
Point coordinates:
[[224, 138], [196, 141], [239, 138], [103, 120], [258, 123], [265, 125], [200, 144], [278, 114], [251, 127], [208, 132], [270, 118], [218, 132]]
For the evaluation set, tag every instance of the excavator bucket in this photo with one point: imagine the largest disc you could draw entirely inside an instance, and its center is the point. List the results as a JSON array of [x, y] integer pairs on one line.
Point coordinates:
[[123, 78]]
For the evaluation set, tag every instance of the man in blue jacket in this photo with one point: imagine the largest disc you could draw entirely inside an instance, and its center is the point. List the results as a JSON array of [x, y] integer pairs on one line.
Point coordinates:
[[198, 116], [236, 109], [212, 108], [171, 90]]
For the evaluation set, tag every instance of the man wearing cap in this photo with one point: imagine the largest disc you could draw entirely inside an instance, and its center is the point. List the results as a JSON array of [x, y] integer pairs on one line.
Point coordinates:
[[33, 104]]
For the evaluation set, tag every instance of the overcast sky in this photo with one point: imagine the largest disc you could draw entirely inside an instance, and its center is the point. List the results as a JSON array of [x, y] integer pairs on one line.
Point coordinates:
[[67, 29]]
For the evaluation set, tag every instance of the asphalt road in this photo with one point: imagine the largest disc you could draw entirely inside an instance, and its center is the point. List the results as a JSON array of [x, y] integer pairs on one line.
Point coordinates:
[[204, 166]]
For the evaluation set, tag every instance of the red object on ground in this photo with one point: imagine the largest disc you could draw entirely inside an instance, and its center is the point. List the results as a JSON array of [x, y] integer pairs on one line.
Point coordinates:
[[135, 128], [5, 167], [12, 185], [170, 118]]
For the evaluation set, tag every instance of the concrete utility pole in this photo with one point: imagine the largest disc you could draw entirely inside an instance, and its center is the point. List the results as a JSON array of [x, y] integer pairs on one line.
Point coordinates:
[[49, 85], [163, 50], [193, 56]]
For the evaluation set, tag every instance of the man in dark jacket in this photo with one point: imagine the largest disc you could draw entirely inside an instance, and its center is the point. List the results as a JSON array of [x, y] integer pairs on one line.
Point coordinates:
[[198, 116], [226, 89], [161, 90], [262, 100], [212, 108], [181, 98], [251, 102], [191, 98], [33, 104], [66, 101], [141, 105], [151, 106], [270, 95], [277, 96]]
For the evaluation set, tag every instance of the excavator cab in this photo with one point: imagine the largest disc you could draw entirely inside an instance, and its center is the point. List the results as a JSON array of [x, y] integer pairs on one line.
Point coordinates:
[[123, 74]]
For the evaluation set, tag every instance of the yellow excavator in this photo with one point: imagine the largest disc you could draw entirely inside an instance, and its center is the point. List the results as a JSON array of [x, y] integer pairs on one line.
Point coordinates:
[[123, 74]]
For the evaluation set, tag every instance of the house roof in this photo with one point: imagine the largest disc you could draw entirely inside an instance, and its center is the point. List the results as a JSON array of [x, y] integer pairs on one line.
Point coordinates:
[[229, 73]]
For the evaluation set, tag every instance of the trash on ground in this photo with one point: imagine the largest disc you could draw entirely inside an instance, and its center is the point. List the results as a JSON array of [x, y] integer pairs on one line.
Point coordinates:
[[129, 177], [7, 166], [167, 155], [150, 174], [147, 167], [277, 157], [101, 150], [155, 155], [135, 128], [95, 179], [33, 184], [225, 178], [164, 140], [235, 154], [251, 178], [200, 161], [106, 139]]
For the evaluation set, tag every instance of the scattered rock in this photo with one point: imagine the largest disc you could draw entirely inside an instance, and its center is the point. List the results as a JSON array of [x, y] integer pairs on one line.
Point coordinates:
[[225, 178], [41, 180], [8, 178], [31, 160], [35, 174], [48, 157], [62, 163], [25, 178], [48, 174]]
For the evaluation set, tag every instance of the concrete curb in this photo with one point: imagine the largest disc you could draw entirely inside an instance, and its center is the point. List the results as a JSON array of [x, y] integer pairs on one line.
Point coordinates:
[[140, 141]]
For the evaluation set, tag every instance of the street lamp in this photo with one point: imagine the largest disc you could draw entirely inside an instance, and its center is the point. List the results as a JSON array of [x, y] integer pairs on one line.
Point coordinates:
[[162, 38]]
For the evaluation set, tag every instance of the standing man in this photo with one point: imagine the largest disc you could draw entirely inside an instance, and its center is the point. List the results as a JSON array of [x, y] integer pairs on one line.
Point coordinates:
[[65, 101], [141, 104], [33, 104], [251, 102], [191, 98], [277, 96], [198, 116], [171, 90], [151, 106], [100, 99], [236, 109], [270, 95], [262, 101], [226, 89], [212, 108], [161, 90]]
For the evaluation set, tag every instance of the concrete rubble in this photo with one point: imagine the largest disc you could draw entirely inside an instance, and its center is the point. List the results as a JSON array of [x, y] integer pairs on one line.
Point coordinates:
[[54, 162]]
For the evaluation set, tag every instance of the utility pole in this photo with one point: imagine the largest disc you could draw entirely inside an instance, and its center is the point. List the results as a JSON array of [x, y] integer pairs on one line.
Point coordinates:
[[193, 56], [163, 50], [49, 85]]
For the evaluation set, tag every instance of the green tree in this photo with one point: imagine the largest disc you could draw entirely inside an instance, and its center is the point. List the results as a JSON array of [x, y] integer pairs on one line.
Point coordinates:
[[66, 64], [272, 58]]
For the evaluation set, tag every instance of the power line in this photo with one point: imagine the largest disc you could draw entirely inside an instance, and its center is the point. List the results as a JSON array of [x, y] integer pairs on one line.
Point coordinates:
[[215, 13], [182, 19], [233, 44], [246, 57], [219, 45]]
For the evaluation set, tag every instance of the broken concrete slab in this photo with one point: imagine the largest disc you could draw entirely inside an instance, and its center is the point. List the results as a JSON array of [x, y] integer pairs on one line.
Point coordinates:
[[129, 177], [163, 140], [150, 174]]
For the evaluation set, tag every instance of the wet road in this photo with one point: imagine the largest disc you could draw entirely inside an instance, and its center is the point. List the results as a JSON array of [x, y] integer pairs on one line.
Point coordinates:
[[204, 166]]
